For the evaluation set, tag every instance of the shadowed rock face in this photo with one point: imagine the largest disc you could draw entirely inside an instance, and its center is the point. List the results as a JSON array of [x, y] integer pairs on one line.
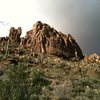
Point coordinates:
[[44, 39]]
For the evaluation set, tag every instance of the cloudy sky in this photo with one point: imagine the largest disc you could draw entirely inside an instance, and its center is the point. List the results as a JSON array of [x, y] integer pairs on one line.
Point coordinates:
[[81, 18]]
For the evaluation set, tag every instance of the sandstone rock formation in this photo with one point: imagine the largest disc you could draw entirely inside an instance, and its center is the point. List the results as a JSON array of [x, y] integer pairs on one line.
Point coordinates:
[[44, 39]]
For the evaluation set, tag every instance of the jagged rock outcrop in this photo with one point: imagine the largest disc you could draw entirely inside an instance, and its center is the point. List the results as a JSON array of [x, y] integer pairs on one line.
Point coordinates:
[[9, 44], [14, 35], [44, 39]]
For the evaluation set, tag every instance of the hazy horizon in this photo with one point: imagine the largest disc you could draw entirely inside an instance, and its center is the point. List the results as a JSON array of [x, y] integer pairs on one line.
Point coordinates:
[[81, 18]]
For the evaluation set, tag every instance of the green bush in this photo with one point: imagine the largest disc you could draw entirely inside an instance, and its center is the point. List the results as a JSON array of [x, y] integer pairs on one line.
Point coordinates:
[[87, 89], [38, 81], [19, 84], [15, 85]]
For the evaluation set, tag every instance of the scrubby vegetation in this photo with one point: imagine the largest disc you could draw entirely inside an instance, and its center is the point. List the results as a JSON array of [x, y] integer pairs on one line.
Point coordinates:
[[48, 78]]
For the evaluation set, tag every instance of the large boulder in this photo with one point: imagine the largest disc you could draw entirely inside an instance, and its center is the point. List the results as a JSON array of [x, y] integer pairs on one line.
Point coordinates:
[[44, 39]]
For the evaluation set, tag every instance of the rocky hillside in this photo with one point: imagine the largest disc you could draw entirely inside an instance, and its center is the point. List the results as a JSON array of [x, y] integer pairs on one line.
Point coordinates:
[[33, 68], [42, 77]]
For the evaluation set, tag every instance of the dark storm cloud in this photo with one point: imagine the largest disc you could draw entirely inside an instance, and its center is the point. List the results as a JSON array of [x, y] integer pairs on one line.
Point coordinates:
[[79, 17]]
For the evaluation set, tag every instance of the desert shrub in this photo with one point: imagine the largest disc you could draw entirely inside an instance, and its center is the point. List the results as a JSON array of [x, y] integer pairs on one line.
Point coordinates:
[[38, 81], [63, 91], [46, 93], [14, 86], [63, 64], [87, 89], [18, 84]]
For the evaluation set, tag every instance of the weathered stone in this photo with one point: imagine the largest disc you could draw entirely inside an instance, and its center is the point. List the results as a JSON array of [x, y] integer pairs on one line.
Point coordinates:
[[14, 35], [44, 39]]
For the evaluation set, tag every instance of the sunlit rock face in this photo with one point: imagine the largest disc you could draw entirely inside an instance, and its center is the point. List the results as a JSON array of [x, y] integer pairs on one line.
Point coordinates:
[[45, 39]]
